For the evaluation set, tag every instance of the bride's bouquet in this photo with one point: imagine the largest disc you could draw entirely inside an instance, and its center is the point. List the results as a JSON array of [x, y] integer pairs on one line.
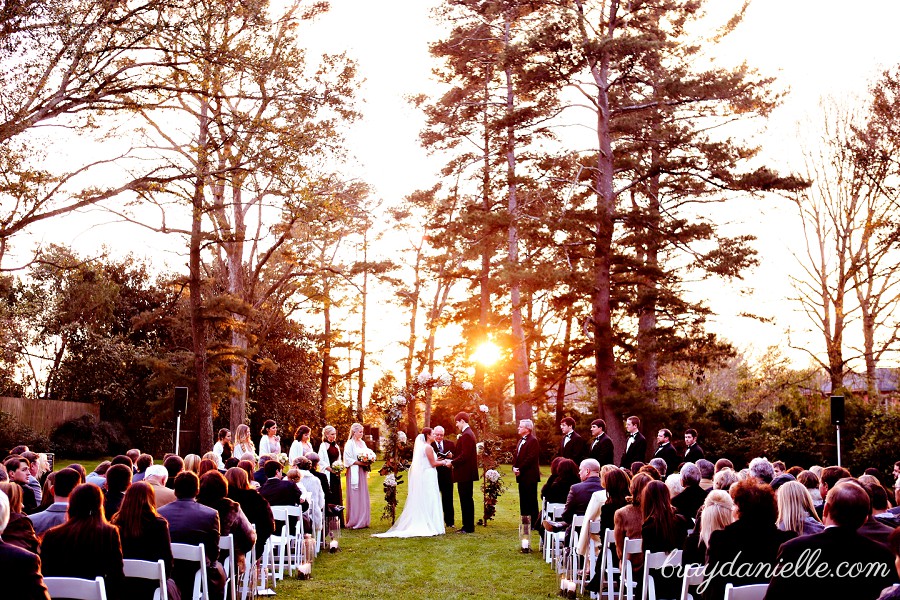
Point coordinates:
[[366, 457], [337, 467]]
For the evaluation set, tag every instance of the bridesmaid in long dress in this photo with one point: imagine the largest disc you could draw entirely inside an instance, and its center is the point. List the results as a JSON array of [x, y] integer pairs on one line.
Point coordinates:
[[330, 451], [357, 481]]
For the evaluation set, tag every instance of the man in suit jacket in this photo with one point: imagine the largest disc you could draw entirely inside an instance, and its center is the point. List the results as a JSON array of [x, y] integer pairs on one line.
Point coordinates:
[[55, 514], [579, 496], [444, 449], [527, 469], [602, 449], [192, 523], [465, 471], [693, 452], [691, 498], [20, 570], [636, 446], [840, 549], [156, 476], [281, 492], [571, 445], [666, 451]]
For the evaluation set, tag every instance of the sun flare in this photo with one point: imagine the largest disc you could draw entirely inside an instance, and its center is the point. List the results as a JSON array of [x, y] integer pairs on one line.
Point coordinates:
[[487, 354]]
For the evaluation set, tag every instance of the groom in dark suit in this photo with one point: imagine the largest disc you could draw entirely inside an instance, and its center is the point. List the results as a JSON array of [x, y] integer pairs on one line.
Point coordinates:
[[444, 449], [465, 472]]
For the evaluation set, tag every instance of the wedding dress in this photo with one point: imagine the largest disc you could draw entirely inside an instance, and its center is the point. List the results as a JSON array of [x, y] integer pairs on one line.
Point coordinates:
[[422, 514]]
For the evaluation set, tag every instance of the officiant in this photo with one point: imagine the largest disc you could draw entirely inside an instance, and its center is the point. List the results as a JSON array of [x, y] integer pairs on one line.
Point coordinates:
[[444, 449]]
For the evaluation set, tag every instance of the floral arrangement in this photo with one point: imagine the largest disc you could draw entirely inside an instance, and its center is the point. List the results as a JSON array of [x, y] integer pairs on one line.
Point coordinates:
[[337, 466], [366, 457], [492, 486], [489, 456], [282, 458], [393, 464]]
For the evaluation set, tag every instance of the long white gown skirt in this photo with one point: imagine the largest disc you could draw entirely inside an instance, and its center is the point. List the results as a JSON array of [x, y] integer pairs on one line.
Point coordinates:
[[423, 514]]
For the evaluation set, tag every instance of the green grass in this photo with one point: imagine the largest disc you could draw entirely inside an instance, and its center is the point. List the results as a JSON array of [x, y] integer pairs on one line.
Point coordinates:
[[486, 564], [89, 464]]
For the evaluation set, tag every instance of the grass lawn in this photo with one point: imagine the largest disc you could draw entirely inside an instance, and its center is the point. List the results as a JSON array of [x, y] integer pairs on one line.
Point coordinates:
[[486, 564]]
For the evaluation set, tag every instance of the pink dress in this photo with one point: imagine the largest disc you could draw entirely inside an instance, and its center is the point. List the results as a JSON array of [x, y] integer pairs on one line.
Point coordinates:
[[358, 508]]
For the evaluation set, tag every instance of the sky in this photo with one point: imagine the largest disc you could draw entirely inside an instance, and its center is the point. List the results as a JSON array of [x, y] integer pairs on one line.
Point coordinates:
[[813, 48]]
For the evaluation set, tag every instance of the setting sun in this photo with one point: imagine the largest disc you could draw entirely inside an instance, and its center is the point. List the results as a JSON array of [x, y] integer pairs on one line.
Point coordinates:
[[487, 354]]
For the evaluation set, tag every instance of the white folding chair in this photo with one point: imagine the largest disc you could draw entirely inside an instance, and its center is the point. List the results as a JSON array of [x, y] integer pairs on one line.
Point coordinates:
[[590, 567], [693, 576], [575, 533], [627, 583], [226, 542], [553, 541], [654, 561], [194, 554], [746, 592], [75, 588], [295, 536], [553, 513], [249, 579], [145, 569], [610, 565], [278, 547]]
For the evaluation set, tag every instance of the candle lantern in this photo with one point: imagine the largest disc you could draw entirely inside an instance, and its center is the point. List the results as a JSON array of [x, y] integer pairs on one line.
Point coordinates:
[[525, 534]]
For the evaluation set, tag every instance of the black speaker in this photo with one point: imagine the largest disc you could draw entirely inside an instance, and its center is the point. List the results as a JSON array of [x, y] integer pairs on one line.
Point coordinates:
[[837, 410], [181, 397]]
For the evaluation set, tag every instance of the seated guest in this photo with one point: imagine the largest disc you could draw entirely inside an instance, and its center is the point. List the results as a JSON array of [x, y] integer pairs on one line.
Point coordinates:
[[604, 504], [715, 514], [192, 463], [259, 476], [55, 514], [661, 466], [255, 507], [19, 470], [629, 519], [20, 570], [174, 465], [157, 476], [689, 501], [872, 528], [118, 478], [19, 529], [707, 470], [724, 463], [724, 479], [206, 465], [893, 592], [34, 474], [144, 535], [838, 550], [192, 523], [98, 475], [811, 481], [827, 480], [562, 477], [214, 494], [663, 530], [314, 486], [322, 477], [281, 492], [47, 492], [132, 455], [762, 469], [143, 461], [250, 468], [753, 539], [579, 495], [795, 510], [86, 546]]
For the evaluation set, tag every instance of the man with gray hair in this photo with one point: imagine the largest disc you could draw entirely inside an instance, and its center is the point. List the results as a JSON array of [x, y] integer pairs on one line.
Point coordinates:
[[156, 476], [707, 470], [689, 501], [527, 469], [444, 449], [660, 465], [762, 469]]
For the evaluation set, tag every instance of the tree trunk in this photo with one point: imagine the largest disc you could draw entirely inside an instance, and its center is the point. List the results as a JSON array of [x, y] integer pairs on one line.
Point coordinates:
[[362, 332], [325, 378], [564, 367], [647, 361]]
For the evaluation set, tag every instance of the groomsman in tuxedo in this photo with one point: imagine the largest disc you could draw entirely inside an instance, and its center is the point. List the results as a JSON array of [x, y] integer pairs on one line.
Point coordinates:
[[527, 469], [465, 472], [601, 445], [666, 451], [636, 446], [444, 449], [693, 452], [572, 445]]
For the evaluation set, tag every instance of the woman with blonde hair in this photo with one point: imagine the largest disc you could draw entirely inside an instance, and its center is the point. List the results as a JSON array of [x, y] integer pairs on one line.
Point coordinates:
[[795, 510], [192, 463], [242, 442], [329, 452], [716, 513], [358, 516]]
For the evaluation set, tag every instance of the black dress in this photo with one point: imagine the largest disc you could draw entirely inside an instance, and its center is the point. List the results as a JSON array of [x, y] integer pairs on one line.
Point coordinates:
[[335, 495]]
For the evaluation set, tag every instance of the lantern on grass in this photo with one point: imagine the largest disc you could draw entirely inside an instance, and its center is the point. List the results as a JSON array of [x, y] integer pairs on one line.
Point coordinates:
[[334, 533], [525, 534], [307, 554], [568, 583]]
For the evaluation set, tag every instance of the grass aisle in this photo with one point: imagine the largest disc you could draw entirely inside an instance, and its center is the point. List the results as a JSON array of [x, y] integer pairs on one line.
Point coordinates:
[[486, 564]]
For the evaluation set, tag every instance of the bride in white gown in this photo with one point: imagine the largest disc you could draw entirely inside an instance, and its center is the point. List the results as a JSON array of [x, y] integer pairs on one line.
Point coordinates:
[[422, 514]]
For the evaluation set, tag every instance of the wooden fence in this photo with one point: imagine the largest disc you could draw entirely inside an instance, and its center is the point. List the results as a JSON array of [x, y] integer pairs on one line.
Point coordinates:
[[44, 415]]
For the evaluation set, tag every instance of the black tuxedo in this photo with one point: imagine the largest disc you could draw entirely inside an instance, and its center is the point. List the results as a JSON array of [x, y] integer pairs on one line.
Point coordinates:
[[836, 545], [281, 492], [576, 448], [445, 482], [602, 450], [668, 453], [527, 460], [465, 472], [20, 571], [637, 452], [694, 453]]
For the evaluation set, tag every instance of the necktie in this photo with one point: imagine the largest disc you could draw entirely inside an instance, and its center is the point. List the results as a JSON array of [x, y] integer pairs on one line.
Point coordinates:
[[441, 447]]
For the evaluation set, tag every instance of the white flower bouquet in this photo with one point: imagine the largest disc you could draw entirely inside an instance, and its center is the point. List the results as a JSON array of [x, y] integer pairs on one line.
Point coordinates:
[[337, 466], [366, 457], [390, 480], [400, 400], [484, 408], [401, 437], [479, 448], [492, 475]]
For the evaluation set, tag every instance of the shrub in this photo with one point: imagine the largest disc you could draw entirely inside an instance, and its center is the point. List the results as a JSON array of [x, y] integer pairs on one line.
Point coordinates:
[[13, 433], [85, 436]]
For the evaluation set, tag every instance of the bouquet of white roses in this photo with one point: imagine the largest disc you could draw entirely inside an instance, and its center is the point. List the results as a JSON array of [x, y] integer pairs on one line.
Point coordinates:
[[337, 466]]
